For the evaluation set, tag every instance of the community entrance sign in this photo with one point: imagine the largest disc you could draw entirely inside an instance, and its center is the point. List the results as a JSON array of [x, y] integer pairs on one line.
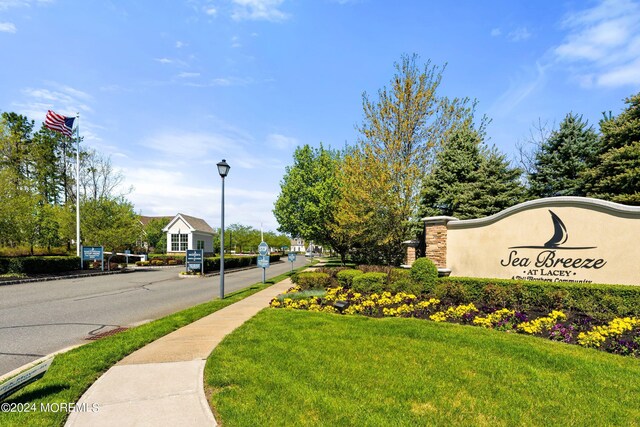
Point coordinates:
[[557, 239], [92, 253]]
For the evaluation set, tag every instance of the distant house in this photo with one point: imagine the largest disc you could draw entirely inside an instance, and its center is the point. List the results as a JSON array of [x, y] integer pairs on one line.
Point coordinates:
[[188, 232], [297, 245]]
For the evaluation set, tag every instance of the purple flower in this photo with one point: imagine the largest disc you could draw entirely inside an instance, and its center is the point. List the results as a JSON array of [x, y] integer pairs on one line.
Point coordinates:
[[522, 317]]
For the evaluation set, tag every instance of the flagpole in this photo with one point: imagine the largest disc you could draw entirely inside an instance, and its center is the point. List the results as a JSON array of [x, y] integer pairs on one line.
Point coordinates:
[[78, 184]]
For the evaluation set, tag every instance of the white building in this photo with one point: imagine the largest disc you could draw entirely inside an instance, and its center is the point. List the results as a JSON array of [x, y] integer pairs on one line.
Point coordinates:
[[187, 232], [297, 245]]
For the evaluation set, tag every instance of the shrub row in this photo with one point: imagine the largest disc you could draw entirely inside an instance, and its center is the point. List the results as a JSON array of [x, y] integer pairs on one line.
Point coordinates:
[[50, 264], [210, 263], [602, 302]]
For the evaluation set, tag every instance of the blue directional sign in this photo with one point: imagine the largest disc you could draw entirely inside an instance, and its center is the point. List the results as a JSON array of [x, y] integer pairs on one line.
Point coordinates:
[[263, 261], [292, 257]]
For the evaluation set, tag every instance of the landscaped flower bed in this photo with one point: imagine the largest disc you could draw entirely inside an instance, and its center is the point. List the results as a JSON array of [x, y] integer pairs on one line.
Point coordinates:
[[620, 335]]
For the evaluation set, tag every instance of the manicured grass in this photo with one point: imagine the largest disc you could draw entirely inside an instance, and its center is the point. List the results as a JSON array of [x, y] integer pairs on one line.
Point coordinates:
[[72, 373], [287, 367]]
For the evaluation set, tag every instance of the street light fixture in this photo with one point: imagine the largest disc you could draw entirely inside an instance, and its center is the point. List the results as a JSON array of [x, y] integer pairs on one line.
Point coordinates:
[[223, 170]]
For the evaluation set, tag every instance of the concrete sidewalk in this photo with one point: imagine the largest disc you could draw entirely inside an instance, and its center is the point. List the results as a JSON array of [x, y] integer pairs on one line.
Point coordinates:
[[162, 383]]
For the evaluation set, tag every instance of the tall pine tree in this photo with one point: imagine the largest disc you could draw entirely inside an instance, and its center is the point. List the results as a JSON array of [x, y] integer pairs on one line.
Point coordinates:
[[470, 180], [561, 160], [616, 176]]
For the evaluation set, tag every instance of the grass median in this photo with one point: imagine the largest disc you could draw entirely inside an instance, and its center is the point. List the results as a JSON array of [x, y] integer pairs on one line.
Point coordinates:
[[287, 367], [72, 373]]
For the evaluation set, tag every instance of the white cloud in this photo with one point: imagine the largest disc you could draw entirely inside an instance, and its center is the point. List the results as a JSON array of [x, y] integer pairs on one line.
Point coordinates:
[[180, 44], [495, 32], [281, 142], [210, 10], [231, 81], [164, 60], [7, 27], [627, 74], [519, 34], [603, 44], [186, 75], [9, 4], [519, 90], [258, 10], [64, 100]]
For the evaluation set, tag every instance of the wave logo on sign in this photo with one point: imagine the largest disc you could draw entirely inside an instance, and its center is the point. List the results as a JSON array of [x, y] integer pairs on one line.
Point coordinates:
[[559, 237]]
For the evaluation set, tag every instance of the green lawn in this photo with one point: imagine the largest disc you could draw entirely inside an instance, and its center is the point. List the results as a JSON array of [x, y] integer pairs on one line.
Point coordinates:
[[287, 367], [72, 373]]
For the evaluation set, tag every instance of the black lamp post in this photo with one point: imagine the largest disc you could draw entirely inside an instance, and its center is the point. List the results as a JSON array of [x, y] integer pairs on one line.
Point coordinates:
[[223, 170]]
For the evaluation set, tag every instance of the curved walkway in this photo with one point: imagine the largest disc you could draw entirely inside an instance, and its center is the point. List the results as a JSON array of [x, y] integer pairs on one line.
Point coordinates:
[[162, 383]]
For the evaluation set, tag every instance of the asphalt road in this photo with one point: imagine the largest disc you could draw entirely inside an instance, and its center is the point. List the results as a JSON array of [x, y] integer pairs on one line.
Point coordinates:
[[40, 318]]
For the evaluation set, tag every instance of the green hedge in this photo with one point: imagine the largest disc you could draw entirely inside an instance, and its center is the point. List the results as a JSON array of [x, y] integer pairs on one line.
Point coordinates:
[[370, 282], [599, 301], [39, 264], [345, 277], [310, 280]]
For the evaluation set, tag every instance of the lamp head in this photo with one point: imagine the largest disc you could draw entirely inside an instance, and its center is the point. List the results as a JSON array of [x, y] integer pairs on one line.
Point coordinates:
[[223, 168]]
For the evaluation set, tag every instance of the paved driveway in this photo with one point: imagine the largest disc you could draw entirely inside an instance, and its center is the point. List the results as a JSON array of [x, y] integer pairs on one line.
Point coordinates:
[[43, 317]]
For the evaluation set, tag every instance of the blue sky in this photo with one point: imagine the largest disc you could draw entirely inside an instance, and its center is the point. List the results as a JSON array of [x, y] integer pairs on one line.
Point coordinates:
[[169, 88]]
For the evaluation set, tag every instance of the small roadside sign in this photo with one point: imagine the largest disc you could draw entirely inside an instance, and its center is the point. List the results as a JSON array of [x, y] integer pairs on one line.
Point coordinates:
[[25, 378], [292, 259], [263, 261]]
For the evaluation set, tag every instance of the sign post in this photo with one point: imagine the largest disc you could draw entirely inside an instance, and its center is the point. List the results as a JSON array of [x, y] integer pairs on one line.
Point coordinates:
[[127, 252], [263, 259], [292, 259], [195, 260]]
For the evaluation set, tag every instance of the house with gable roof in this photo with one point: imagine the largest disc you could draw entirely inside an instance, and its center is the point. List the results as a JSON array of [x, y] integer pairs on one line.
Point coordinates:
[[188, 232]]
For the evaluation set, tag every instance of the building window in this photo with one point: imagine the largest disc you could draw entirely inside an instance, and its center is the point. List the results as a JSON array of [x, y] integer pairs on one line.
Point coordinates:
[[179, 242], [200, 244]]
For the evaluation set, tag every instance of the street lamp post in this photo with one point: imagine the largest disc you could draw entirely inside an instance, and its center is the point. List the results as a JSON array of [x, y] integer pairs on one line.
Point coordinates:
[[223, 170]]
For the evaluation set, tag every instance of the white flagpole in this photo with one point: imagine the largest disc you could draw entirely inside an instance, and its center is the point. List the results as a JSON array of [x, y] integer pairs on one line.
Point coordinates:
[[78, 185]]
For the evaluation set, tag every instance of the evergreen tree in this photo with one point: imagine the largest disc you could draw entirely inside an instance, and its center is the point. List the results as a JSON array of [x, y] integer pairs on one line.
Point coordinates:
[[562, 158], [470, 180], [498, 185], [616, 176], [448, 189]]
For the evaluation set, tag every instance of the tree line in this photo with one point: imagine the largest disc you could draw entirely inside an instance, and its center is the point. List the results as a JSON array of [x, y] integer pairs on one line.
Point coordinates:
[[38, 192], [422, 154]]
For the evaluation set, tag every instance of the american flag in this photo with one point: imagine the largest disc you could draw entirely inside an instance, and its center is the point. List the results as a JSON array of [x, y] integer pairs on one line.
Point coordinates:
[[59, 123]]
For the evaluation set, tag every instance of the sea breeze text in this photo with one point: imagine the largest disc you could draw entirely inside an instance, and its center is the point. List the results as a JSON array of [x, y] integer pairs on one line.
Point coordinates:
[[549, 259]]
